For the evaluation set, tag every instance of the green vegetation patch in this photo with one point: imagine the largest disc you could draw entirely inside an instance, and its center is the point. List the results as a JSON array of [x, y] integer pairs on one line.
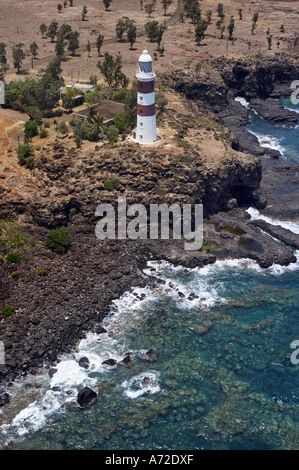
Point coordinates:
[[59, 240], [209, 247], [7, 310], [13, 257], [111, 184]]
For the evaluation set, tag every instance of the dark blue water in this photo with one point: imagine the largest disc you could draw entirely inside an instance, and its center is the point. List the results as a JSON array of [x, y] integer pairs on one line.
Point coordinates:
[[277, 136]]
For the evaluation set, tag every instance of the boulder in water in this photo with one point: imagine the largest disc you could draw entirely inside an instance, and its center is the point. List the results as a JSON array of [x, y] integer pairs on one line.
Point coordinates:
[[109, 362], [84, 362], [86, 397], [128, 360], [4, 398], [149, 356]]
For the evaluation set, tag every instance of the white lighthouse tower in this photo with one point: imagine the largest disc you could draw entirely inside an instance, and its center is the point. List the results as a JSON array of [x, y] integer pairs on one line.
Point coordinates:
[[145, 132]]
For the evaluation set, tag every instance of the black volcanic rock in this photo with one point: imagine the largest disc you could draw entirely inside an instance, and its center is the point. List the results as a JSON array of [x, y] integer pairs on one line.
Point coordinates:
[[86, 397], [272, 110], [84, 362]]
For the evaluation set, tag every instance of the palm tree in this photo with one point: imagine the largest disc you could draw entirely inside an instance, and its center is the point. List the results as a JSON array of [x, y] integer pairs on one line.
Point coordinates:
[[98, 120]]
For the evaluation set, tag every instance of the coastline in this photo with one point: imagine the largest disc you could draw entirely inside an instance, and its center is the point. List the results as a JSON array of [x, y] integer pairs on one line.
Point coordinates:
[[78, 293]]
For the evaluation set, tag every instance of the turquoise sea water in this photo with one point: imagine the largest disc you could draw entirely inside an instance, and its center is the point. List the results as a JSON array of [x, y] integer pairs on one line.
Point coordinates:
[[222, 379], [277, 136]]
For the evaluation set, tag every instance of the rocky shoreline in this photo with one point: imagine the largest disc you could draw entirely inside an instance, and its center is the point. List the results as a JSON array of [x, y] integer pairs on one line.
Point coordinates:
[[53, 312]]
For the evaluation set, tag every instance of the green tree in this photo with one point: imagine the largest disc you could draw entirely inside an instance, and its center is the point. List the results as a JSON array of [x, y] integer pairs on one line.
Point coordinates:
[[43, 29], [64, 31], [88, 48], [59, 240], [132, 34], [111, 69], [3, 59], [59, 7], [18, 55], [33, 49], [220, 11], [34, 113], [112, 134], [269, 40], [71, 3], [165, 5], [149, 8], [192, 10], [52, 30], [120, 121], [151, 30], [98, 120], [84, 13], [68, 103], [3, 70], [161, 102], [100, 40], [122, 26], [160, 33], [107, 4], [30, 130], [209, 16], [25, 153], [231, 27], [255, 18], [200, 31], [131, 105], [60, 45], [73, 42]]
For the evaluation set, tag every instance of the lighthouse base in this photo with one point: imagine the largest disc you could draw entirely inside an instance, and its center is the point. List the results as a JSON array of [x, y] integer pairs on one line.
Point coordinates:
[[145, 132]]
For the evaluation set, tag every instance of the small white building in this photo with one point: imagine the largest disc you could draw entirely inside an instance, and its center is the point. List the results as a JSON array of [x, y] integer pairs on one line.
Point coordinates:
[[146, 131]]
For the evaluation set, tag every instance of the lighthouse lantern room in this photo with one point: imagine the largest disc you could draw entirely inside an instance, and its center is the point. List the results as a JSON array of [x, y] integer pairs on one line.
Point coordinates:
[[145, 132]]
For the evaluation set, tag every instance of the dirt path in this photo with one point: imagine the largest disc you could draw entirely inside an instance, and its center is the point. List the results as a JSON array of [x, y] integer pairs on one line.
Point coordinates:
[[12, 176]]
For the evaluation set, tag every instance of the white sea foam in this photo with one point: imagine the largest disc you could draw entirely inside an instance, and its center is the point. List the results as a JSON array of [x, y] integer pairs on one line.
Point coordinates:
[[144, 383], [255, 215], [268, 141], [242, 101]]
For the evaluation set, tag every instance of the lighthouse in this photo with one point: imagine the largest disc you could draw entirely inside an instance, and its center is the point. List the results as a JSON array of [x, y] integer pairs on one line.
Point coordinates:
[[145, 132]]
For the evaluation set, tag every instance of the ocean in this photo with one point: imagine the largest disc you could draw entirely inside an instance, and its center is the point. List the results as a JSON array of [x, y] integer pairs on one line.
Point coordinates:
[[223, 377]]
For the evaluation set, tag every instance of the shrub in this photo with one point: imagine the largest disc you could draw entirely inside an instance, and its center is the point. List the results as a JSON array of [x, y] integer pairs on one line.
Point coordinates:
[[47, 124], [13, 257], [25, 153], [7, 310], [62, 127], [59, 240], [111, 184], [15, 274], [42, 272], [112, 133], [120, 121], [43, 133], [30, 130], [120, 95]]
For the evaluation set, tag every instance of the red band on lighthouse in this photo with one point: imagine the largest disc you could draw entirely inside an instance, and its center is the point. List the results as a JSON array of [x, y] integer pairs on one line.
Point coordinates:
[[146, 87], [146, 110]]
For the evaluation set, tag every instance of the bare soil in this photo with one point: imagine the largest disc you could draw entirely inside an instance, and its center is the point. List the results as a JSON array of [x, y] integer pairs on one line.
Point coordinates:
[[20, 22]]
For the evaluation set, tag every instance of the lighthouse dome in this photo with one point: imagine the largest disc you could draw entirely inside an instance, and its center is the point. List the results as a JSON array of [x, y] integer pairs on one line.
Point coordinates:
[[145, 57]]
